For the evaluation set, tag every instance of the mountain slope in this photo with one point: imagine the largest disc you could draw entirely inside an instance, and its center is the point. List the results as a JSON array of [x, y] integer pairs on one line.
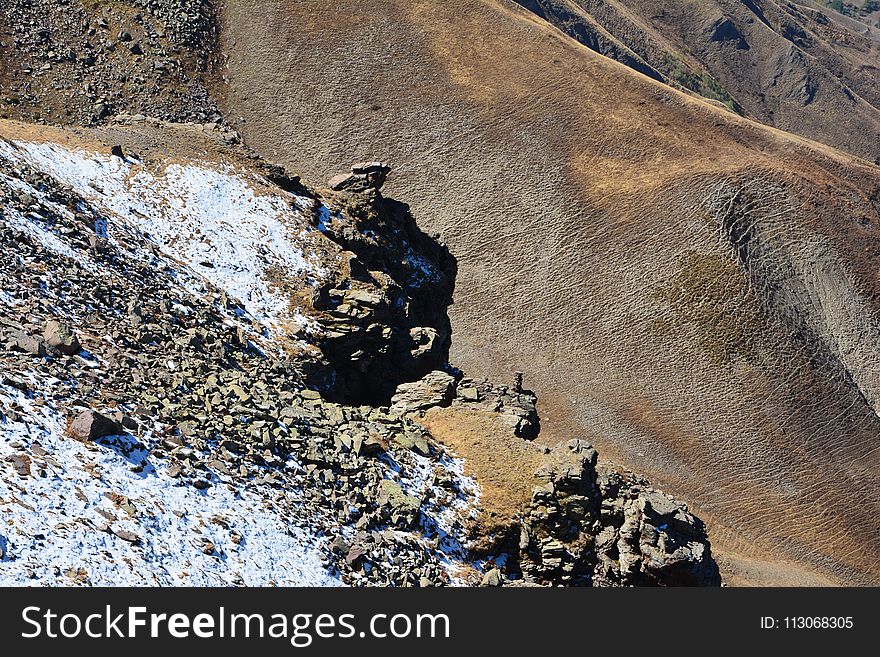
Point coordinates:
[[792, 66], [692, 292], [155, 424], [176, 316]]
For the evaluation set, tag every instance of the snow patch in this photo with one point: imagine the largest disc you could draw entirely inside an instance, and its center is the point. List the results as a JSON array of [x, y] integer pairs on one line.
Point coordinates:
[[210, 219], [55, 522], [444, 518]]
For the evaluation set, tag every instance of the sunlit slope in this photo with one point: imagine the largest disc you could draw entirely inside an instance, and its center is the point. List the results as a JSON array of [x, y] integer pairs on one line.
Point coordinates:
[[694, 293], [800, 68]]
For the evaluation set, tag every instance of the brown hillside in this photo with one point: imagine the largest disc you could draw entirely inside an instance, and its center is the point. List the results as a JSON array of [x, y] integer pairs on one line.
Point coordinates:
[[692, 292], [798, 67]]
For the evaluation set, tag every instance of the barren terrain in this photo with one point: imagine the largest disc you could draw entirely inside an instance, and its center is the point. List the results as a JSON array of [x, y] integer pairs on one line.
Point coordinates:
[[692, 292]]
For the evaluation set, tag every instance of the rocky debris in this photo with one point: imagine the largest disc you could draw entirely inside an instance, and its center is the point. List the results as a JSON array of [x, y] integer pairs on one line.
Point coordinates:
[[402, 510], [191, 23], [60, 337], [434, 389], [516, 406], [81, 63], [364, 176], [649, 539], [90, 425]]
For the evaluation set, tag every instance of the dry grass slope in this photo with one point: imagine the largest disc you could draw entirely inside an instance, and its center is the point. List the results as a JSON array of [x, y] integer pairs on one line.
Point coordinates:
[[800, 68]]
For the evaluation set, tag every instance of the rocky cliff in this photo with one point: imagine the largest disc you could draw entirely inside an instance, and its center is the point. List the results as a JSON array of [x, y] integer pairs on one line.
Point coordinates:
[[689, 291]]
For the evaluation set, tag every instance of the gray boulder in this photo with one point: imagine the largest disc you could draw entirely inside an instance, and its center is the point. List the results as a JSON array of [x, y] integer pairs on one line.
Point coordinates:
[[91, 425], [434, 389], [61, 337], [401, 509]]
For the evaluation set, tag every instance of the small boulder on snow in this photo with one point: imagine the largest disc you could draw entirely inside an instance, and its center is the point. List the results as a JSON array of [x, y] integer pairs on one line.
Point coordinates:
[[90, 425]]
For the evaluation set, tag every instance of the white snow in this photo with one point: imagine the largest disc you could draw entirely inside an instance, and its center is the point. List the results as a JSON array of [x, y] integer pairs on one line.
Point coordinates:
[[443, 516], [7, 299], [211, 219], [50, 524], [31, 225], [217, 226]]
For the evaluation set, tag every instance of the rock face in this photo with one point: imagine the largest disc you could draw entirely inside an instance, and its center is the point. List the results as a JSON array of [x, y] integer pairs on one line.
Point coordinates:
[[556, 536], [582, 528], [649, 539], [364, 176], [384, 316]]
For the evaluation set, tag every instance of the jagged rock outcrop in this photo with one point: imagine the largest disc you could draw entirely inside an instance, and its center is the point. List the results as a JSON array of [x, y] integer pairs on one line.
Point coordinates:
[[580, 527], [383, 316], [515, 406], [608, 530], [364, 176], [557, 530], [649, 539]]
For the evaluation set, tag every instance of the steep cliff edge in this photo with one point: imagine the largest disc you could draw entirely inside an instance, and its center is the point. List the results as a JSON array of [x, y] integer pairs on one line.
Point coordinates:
[[690, 292]]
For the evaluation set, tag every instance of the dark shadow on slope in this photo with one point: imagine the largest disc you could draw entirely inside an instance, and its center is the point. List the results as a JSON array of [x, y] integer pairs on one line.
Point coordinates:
[[131, 449]]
